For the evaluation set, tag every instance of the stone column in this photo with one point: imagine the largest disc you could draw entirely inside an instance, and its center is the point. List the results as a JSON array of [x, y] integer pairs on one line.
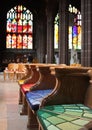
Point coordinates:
[[50, 38], [86, 50], [51, 11], [40, 36], [63, 31]]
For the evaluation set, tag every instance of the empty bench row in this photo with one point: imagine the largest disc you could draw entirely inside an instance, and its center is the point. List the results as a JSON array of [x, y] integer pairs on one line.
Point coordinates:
[[56, 90]]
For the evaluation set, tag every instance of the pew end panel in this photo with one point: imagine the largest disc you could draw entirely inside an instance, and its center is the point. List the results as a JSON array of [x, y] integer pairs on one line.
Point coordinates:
[[45, 86], [24, 88], [46, 81], [88, 98], [71, 86]]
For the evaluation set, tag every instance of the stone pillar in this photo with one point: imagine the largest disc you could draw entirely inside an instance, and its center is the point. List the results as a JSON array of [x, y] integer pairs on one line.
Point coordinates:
[[40, 36], [50, 38], [51, 11], [2, 29], [86, 50], [63, 31]]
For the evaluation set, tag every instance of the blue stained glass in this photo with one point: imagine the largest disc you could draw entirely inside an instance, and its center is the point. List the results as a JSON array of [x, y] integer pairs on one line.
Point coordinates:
[[75, 31]]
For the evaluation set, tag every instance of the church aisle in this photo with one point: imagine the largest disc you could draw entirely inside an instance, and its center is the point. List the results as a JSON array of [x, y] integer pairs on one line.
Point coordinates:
[[10, 118]]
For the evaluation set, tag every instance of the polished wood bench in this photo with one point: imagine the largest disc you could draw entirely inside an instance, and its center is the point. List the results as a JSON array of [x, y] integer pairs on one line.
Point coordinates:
[[27, 76], [10, 71], [23, 80], [38, 92], [32, 80], [26, 82], [36, 78], [69, 106], [41, 76], [15, 71]]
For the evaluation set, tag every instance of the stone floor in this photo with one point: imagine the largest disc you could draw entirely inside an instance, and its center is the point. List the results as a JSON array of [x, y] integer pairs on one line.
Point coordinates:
[[10, 118]]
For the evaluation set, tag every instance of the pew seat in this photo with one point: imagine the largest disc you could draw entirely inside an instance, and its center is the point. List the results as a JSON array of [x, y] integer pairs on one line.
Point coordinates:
[[34, 98], [26, 87], [64, 117]]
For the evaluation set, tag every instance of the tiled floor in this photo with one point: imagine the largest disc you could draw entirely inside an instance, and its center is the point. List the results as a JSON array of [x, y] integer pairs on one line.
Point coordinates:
[[10, 118]]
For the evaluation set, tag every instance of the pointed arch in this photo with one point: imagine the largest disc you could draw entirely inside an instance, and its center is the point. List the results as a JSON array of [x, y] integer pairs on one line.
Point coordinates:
[[19, 28]]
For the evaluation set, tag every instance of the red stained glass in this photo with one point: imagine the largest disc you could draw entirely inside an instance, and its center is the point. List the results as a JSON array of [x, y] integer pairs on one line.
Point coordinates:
[[19, 28], [13, 41], [19, 42]]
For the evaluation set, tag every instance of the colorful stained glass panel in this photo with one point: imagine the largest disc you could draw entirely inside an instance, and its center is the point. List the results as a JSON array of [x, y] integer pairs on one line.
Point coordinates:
[[19, 28]]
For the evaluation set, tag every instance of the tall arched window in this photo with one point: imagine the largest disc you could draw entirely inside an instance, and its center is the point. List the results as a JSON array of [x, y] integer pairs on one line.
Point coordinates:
[[56, 25], [19, 28], [75, 29], [74, 33]]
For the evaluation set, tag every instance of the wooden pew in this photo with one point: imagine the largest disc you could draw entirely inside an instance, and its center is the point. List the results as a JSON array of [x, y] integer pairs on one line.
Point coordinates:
[[88, 99], [31, 77], [10, 71], [70, 100], [45, 86], [24, 80], [32, 80]]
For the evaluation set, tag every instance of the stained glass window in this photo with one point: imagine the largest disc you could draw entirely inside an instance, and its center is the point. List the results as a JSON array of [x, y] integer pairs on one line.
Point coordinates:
[[74, 32], [19, 28], [56, 23], [75, 29], [70, 37]]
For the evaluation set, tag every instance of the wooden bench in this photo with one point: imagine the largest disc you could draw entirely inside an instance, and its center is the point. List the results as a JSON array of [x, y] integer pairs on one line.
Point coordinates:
[[34, 80], [10, 71], [27, 76], [15, 71], [38, 92], [24, 88], [31, 77], [69, 106]]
